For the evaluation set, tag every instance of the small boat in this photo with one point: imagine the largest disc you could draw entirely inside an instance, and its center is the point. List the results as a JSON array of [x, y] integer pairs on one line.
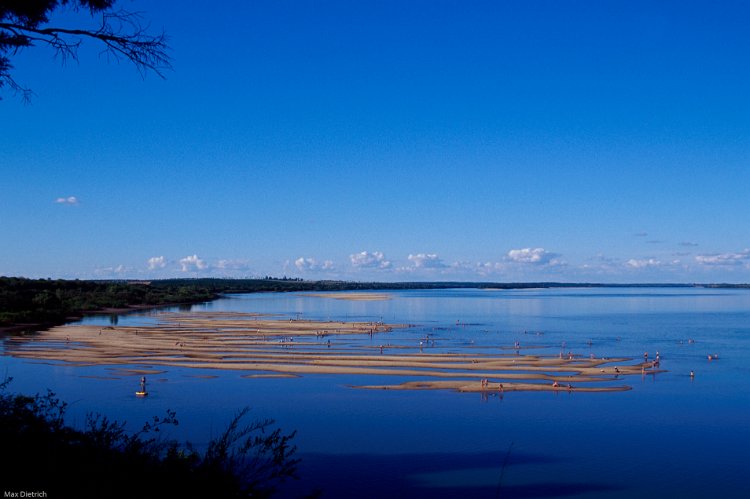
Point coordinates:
[[141, 394]]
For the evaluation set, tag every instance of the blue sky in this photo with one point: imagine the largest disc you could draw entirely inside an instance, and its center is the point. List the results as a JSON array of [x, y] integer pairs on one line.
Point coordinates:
[[493, 141]]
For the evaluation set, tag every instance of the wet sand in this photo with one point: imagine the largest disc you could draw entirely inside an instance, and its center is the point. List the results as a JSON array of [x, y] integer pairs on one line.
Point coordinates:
[[269, 346], [353, 296]]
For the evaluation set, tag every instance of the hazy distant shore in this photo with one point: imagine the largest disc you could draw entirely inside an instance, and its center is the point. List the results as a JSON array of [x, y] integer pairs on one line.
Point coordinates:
[[36, 304]]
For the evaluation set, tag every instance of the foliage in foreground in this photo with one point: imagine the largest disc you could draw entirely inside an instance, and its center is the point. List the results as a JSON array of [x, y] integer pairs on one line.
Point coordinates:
[[39, 452]]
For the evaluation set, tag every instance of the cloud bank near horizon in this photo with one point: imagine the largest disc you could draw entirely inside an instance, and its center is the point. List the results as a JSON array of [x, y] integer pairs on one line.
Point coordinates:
[[529, 263], [366, 260]]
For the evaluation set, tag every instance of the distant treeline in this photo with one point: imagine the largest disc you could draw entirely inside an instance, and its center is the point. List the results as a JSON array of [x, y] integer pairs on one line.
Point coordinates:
[[45, 301], [724, 286], [42, 302]]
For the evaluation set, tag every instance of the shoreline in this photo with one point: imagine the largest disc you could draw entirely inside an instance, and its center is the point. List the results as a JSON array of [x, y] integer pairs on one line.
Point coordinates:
[[36, 327], [217, 287]]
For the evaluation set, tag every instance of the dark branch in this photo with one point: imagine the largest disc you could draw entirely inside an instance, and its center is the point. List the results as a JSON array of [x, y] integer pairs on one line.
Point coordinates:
[[7, 80], [120, 32]]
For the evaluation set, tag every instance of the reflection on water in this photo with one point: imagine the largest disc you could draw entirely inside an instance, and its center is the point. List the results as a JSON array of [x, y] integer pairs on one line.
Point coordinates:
[[670, 434]]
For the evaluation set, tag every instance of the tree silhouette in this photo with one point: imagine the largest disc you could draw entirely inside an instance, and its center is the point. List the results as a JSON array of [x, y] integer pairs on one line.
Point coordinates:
[[122, 35], [104, 459]]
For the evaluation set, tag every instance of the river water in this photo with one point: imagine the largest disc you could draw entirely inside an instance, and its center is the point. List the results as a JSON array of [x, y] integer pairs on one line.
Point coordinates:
[[670, 436]]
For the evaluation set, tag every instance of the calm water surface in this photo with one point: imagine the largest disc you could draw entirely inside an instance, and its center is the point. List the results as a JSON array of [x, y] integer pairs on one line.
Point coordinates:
[[671, 436]]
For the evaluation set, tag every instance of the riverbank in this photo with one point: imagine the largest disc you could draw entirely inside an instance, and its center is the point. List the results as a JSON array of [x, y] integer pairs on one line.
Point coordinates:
[[28, 305]]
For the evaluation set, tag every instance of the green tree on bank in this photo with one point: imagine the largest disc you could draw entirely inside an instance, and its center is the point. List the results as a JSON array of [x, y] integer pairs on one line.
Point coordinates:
[[44, 302]]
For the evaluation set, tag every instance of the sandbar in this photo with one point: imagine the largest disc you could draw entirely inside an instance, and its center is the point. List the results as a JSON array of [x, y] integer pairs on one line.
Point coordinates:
[[272, 346], [353, 296]]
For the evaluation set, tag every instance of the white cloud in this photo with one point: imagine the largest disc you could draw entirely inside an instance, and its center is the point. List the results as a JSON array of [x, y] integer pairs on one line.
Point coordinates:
[[601, 264], [157, 262], [643, 263], [482, 269], [72, 200], [427, 261], [492, 266], [192, 263], [311, 264], [367, 260], [535, 256], [305, 263], [725, 259]]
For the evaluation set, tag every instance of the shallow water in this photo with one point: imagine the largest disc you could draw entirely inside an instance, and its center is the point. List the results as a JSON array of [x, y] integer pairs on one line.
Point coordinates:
[[670, 436]]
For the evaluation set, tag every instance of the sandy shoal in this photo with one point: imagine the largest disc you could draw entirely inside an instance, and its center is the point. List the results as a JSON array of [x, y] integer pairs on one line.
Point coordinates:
[[353, 296], [268, 346]]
